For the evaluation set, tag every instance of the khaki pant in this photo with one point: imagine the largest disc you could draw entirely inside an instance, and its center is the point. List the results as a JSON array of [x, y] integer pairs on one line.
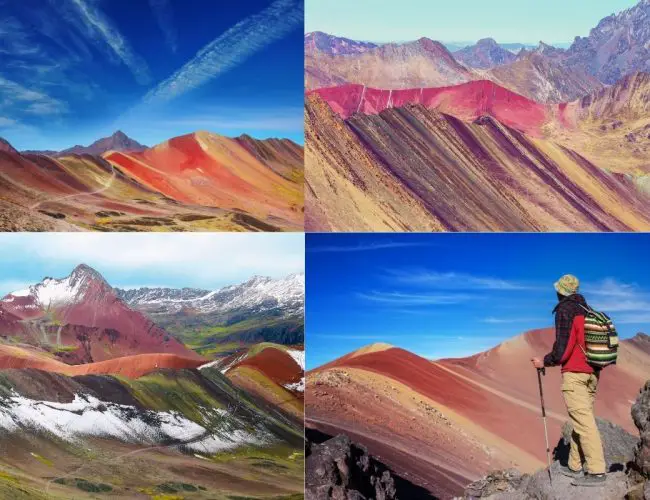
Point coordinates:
[[579, 390]]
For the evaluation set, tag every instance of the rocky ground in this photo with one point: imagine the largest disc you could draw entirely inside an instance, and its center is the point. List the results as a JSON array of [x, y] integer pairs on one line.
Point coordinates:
[[627, 458], [338, 469]]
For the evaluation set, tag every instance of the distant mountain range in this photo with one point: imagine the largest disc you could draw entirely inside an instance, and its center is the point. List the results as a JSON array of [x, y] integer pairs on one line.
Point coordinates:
[[119, 141], [427, 63], [196, 182], [619, 45], [461, 417], [259, 310], [258, 295], [115, 322], [318, 41]]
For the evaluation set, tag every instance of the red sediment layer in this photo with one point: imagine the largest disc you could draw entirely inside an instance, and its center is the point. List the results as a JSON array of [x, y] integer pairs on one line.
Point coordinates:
[[507, 368], [127, 366], [157, 180], [276, 365], [486, 409], [466, 101]]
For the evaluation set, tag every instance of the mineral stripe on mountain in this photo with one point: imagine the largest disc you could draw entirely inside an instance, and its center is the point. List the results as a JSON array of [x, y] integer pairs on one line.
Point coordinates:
[[456, 416], [373, 172], [196, 182]]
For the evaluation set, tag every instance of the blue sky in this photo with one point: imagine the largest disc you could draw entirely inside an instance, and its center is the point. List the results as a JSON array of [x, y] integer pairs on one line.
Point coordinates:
[[73, 71], [129, 260], [506, 21], [452, 295]]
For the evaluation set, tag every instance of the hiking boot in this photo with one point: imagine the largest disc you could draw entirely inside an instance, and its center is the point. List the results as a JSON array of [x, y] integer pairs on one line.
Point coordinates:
[[567, 471], [590, 480]]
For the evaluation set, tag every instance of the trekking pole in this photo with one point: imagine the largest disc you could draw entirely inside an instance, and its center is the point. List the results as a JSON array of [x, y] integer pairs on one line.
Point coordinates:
[[540, 372]]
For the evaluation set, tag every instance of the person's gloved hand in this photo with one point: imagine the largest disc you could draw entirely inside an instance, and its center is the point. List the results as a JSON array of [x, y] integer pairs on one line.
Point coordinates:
[[537, 363]]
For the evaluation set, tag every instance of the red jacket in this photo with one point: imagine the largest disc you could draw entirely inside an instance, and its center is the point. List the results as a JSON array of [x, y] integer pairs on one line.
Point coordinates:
[[574, 359]]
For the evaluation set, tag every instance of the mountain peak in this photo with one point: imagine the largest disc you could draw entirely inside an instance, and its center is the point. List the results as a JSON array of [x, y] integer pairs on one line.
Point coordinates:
[[485, 54], [118, 141], [256, 279], [429, 43], [491, 42], [84, 270], [334, 45]]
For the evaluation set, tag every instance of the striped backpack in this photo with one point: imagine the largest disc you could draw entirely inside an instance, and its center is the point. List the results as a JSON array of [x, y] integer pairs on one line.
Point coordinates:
[[601, 339]]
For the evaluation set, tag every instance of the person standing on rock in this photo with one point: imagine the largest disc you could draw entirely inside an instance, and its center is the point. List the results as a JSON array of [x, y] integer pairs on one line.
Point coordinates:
[[579, 384]]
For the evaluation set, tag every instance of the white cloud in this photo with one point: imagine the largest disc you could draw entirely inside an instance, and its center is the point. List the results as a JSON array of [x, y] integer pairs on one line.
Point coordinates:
[[7, 122], [231, 48], [15, 40], [363, 247], [611, 287], [414, 299], [613, 296], [162, 11], [503, 321], [455, 281], [99, 28], [29, 100], [213, 257]]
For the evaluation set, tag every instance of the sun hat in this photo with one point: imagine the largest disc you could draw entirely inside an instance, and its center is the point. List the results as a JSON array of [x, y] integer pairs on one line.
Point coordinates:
[[567, 285]]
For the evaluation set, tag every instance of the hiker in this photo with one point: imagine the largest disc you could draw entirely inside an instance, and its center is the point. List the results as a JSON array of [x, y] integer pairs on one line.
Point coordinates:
[[579, 384]]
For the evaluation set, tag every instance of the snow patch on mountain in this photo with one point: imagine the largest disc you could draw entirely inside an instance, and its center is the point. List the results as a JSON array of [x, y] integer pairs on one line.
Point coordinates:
[[54, 292], [297, 386], [219, 364], [87, 416], [298, 356]]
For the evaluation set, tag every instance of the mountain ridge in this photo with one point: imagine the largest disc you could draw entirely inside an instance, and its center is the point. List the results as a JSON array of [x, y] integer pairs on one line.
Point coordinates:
[[450, 412], [118, 141], [84, 312]]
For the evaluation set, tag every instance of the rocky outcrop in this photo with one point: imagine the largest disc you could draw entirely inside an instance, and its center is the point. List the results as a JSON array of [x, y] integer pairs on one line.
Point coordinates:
[[617, 46], [627, 458], [641, 416], [618, 445], [339, 469]]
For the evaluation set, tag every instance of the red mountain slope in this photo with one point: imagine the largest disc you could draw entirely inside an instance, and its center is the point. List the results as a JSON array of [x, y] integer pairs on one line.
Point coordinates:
[[14, 357], [276, 364], [459, 418], [211, 170], [83, 311], [466, 101]]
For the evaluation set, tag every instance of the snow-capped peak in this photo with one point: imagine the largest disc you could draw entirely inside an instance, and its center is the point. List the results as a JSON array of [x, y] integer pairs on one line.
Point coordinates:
[[258, 293], [54, 292]]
